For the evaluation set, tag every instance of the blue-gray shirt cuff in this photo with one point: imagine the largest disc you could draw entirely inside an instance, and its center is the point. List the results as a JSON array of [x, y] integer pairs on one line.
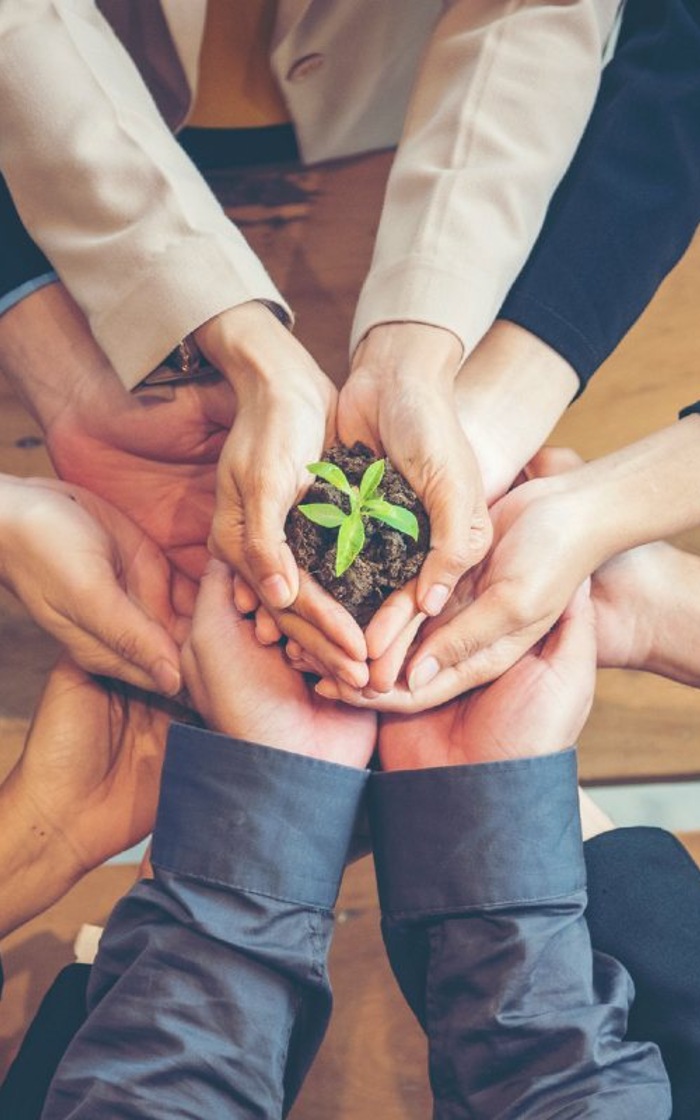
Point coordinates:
[[255, 818], [457, 838]]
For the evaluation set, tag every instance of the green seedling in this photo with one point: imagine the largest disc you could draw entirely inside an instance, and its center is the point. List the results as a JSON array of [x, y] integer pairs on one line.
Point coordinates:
[[365, 501]]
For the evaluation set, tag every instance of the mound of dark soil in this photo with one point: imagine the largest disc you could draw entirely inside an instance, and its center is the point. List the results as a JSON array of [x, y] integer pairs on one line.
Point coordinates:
[[389, 558]]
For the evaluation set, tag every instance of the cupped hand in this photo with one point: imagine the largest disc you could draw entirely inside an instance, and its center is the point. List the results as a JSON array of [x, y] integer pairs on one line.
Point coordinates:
[[399, 399], [249, 691], [537, 707], [544, 547], [152, 453], [92, 579]]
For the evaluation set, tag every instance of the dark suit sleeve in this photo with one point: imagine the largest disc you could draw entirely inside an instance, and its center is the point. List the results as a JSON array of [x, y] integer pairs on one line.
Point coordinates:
[[630, 202], [210, 995], [644, 909], [482, 887]]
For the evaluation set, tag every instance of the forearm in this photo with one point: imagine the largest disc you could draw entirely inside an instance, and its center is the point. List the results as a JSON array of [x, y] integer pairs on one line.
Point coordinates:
[[38, 865], [484, 927], [48, 354], [597, 262], [641, 493], [248, 851], [473, 176], [141, 243], [510, 393]]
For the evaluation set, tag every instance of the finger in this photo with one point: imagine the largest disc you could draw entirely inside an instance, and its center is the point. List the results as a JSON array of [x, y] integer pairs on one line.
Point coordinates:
[[391, 620], [332, 660], [385, 672], [266, 630], [248, 528], [497, 616], [399, 700], [243, 595], [322, 611], [301, 661], [551, 461], [459, 538], [116, 638]]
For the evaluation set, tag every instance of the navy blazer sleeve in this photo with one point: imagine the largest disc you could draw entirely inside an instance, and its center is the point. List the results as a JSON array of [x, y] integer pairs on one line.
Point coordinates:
[[630, 203], [644, 909]]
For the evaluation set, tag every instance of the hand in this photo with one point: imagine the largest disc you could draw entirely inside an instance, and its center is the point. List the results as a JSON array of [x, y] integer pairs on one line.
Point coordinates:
[[151, 453], [538, 706], [544, 548], [85, 787], [245, 690], [285, 415], [92, 579], [645, 598], [399, 399]]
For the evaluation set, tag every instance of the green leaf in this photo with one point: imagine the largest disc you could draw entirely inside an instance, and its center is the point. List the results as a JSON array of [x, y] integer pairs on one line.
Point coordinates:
[[395, 516], [371, 479], [350, 541], [323, 513], [330, 473]]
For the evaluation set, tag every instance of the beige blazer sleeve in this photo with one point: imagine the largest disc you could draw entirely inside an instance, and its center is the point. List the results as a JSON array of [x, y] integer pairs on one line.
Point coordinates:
[[129, 224], [500, 103]]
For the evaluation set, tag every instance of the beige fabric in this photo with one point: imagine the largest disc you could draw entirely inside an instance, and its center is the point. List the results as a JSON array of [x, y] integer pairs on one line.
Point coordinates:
[[501, 96]]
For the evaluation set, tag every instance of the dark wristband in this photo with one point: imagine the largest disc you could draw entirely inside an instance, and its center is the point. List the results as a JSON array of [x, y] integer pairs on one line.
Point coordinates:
[[689, 410]]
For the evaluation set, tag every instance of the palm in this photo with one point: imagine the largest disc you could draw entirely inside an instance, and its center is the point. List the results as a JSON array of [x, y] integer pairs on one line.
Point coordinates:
[[154, 456], [538, 706], [244, 689], [92, 762]]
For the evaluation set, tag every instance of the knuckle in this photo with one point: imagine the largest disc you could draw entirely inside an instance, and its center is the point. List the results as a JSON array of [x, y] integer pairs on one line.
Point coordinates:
[[516, 605], [455, 648]]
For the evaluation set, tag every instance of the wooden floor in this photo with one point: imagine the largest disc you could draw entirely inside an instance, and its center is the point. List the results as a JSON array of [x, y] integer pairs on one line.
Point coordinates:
[[314, 229]]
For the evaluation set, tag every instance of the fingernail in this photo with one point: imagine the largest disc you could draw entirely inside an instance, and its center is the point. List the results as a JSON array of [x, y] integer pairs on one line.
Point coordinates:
[[436, 598], [356, 678], [370, 693], [424, 672], [167, 677], [276, 591], [327, 690]]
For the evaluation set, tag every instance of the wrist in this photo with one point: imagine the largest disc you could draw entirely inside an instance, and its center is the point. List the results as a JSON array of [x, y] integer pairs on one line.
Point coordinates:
[[670, 599], [38, 865], [510, 393], [240, 341], [417, 352], [641, 493]]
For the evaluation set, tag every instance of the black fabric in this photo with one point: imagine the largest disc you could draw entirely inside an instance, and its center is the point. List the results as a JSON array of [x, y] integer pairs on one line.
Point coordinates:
[[20, 259], [689, 410], [61, 1013], [216, 149], [630, 203], [644, 909]]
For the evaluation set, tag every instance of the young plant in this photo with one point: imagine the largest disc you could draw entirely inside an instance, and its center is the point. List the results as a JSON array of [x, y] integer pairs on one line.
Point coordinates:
[[365, 501]]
